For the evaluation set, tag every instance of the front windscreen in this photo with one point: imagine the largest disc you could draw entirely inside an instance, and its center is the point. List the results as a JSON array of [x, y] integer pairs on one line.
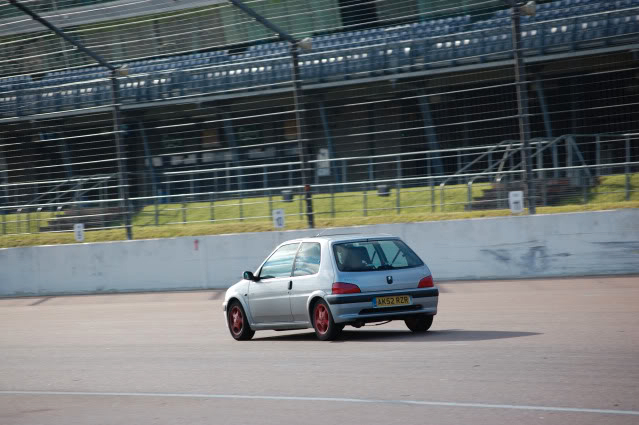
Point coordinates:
[[374, 255]]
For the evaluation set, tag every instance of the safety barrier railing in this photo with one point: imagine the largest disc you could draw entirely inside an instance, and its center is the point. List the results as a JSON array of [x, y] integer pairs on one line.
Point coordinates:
[[349, 186]]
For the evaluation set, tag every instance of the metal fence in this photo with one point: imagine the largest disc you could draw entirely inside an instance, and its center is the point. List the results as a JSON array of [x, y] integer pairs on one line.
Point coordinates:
[[565, 173], [209, 121]]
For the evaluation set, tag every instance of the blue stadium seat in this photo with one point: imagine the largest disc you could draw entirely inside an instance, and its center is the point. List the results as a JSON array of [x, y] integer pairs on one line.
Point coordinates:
[[159, 84], [359, 60], [532, 40], [282, 71], [68, 92], [591, 31], [8, 100], [498, 47], [87, 94], [623, 26], [263, 74], [559, 36], [469, 49]]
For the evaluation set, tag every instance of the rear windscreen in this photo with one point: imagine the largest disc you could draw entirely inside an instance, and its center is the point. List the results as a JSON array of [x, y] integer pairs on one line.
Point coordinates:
[[374, 255]]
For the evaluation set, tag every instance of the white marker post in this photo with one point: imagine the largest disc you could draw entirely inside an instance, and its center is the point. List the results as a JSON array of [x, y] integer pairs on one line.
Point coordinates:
[[516, 201], [278, 218], [78, 230]]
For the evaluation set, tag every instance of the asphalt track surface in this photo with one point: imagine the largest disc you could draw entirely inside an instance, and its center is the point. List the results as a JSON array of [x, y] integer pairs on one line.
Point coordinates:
[[560, 351]]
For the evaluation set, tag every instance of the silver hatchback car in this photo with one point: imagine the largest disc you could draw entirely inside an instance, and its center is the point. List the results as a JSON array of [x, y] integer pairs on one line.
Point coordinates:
[[328, 282]]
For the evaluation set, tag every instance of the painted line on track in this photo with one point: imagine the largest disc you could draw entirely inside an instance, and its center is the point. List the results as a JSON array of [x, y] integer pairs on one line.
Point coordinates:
[[329, 399]]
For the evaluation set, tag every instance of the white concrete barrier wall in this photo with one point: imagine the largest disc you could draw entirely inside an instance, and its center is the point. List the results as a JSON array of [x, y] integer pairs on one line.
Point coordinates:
[[579, 244]]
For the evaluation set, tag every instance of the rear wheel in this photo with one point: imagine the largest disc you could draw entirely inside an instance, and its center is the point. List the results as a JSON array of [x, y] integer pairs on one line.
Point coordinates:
[[325, 328], [419, 323], [238, 323]]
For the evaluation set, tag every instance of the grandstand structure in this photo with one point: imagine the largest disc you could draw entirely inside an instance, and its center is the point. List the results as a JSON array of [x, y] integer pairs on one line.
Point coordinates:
[[402, 93]]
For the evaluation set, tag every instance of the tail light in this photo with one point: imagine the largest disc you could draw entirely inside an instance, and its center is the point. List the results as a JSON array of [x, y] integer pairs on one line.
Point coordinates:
[[426, 282], [345, 288]]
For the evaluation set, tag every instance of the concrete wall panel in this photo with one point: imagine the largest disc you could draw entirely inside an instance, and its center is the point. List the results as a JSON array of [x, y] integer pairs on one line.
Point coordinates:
[[580, 244]]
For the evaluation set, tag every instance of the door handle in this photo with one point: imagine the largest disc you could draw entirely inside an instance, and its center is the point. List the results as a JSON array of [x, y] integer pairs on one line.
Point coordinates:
[[290, 285]]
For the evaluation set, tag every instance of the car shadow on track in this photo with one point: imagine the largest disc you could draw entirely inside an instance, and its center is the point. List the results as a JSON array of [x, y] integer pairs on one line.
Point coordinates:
[[377, 335]]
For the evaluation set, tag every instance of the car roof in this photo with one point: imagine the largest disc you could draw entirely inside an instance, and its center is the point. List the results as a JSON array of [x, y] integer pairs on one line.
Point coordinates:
[[346, 237]]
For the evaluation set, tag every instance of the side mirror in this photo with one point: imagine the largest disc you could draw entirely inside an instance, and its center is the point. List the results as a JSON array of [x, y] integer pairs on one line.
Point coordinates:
[[249, 276]]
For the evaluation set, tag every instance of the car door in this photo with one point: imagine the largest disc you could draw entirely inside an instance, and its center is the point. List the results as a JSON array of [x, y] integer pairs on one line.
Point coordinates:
[[269, 296], [305, 278]]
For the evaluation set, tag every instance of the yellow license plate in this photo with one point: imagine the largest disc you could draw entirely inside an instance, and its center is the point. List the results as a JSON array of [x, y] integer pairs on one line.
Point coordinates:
[[394, 301]]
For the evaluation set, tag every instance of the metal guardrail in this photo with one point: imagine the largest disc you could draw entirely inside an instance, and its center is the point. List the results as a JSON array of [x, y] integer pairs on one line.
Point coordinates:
[[218, 190]]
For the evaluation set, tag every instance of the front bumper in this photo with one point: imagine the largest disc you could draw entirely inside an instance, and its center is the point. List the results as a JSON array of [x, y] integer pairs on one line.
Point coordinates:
[[359, 307]]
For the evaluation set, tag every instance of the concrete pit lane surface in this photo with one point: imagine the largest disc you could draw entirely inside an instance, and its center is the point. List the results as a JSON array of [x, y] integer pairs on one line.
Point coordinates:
[[561, 351]]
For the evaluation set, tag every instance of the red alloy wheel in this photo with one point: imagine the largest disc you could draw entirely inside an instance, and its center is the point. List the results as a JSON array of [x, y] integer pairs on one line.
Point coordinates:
[[321, 318], [237, 320]]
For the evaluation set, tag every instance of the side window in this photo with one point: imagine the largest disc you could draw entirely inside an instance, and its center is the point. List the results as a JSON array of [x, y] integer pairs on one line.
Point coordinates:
[[394, 255], [280, 263], [308, 259]]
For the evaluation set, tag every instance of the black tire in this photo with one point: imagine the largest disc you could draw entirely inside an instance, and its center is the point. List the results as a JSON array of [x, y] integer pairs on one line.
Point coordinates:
[[325, 328], [419, 323], [238, 323]]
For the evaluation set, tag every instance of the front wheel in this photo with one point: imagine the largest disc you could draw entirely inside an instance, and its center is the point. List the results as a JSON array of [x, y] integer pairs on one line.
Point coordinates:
[[238, 323], [325, 328], [419, 323]]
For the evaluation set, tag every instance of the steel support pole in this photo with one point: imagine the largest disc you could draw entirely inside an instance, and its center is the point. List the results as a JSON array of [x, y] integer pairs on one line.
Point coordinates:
[[297, 91], [522, 106], [122, 179]]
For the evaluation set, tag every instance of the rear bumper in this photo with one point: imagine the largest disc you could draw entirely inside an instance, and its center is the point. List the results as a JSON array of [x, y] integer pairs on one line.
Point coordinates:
[[359, 307]]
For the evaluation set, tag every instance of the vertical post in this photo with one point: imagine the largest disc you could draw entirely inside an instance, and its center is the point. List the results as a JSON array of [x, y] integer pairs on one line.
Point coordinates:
[[555, 159], [122, 178], [344, 179], [156, 208], [301, 204], [184, 210], [265, 177], [371, 173], [365, 206], [270, 204], [540, 162], [627, 168], [241, 208], [431, 182], [332, 201], [191, 186], [297, 90], [568, 146], [541, 174], [522, 105], [212, 206], [429, 132], [290, 175], [598, 155], [544, 106], [399, 186]]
